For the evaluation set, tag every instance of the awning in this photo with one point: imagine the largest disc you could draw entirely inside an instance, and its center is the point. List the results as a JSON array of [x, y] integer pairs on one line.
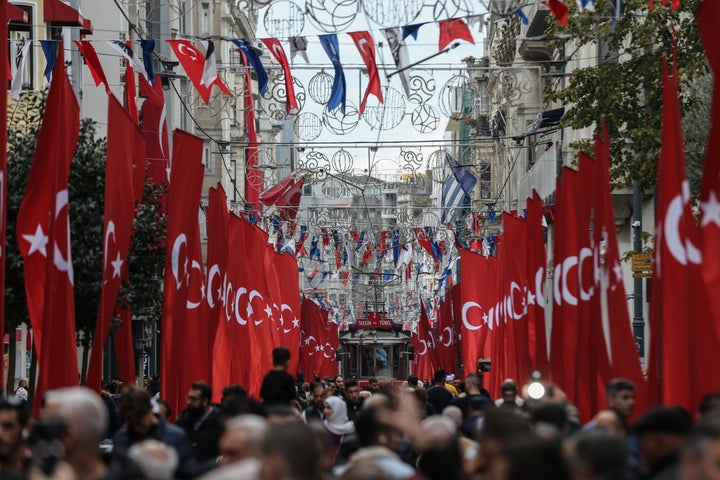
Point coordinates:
[[87, 28], [61, 14], [16, 14]]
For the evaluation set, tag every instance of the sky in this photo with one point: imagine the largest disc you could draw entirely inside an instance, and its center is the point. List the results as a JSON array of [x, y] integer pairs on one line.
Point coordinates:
[[383, 161]]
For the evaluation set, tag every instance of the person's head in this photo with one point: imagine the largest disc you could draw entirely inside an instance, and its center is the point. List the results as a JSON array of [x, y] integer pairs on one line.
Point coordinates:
[[23, 383], [412, 381], [473, 384], [330, 389], [620, 395], [500, 428], [611, 421], [199, 398], [701, 458], [370, 430], [233, 391], [242, 438], [352, 392], [83, 414], [440, 457], [530, 457], [146, 382], [509, 391], [14, 416], [164, 408], [135, 407], [281, 357], [662, 431], [439, 377], [318, 392], [280, 413], [335, 409], [597, 454], [373, 385], [290, 451], [156, 460], [339, 382], [710, 405]]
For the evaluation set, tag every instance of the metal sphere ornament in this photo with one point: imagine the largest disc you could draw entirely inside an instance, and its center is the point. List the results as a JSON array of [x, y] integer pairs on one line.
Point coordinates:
[[276, 96], [339, 123], [391, 14], [308, 126], [320, 87], [284, 19], [422, 86], [451, 9], [386, 115], [342, 161], [455, 97], [424, 118], [331, 16]]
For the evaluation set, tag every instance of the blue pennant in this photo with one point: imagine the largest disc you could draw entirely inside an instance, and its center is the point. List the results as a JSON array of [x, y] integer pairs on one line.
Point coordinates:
[[148, 47], [411, 30], [254, 60], [339, 90], [49, 48]]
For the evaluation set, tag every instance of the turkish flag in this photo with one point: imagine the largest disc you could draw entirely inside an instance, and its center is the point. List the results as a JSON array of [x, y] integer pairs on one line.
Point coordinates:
[[43, 228], [286, 196], [366, 46], [453, 29], [183, 203], [93, 63], [124, 348], [194, 63], [478, 278], [707, 14], [445, 344], [426, 361], [284, 285], [276, 48], [319, 341], [123, 136], [155, 129], [684, 342], [623, 347], [4, 70], [536, 262], [130, 89], [254, 177]]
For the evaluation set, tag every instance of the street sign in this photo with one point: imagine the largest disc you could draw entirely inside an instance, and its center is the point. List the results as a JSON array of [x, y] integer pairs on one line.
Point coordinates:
[[642, 262]]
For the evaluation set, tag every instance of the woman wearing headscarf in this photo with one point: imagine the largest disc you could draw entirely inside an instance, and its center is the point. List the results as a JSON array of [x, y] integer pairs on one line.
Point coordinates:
[[336, 419]]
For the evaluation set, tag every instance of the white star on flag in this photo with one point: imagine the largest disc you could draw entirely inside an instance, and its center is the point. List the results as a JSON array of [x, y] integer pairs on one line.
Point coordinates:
[[117, 265], [37, 241], [710, 211]]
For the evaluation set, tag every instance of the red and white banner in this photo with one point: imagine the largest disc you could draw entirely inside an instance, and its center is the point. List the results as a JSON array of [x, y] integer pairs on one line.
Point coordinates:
[[425, 362], [284, 285], [366, 46], [194, 64], [276, 48], [319, 341]]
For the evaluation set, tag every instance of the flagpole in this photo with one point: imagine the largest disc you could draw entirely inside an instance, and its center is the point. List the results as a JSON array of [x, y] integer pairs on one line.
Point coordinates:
[[400, 70]]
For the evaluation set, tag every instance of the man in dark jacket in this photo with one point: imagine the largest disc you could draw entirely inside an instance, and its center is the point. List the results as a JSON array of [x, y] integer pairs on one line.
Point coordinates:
[[278, 386], [142, 424], [662, 435], [201, 421]]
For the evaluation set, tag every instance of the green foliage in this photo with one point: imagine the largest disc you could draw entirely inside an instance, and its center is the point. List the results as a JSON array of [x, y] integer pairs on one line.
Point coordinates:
[[629, 91]]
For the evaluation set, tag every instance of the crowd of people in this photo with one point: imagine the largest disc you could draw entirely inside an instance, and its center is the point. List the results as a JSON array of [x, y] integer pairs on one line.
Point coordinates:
[[447, 428]]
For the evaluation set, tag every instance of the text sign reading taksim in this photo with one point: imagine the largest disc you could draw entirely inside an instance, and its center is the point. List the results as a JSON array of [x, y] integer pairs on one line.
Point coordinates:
[[374, 320]]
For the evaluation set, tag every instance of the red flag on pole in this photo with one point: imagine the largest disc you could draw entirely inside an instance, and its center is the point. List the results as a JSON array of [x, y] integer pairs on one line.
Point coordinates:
[[276, 48], [43, 230], [425, 362], [155, 129], [366, 46], [447, 354], [254, 177], [4, 70], [194, 63], [707, 15], [478, 278], [559, 9], [318, 343], [93, 62], [454, 29], [124, 347], [117, 230], [284, 287], [536, 262], [286, 196], [184, 202], [130, 89]]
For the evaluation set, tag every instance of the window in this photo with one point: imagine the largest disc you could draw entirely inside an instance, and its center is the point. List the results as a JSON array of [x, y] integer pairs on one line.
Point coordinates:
[[207, 158], [307, 190], [19, 32], [205, 18], [182, 17], [185, 120]]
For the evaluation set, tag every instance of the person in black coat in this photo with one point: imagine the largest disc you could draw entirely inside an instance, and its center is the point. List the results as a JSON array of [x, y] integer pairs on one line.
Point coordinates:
[[201, 421]]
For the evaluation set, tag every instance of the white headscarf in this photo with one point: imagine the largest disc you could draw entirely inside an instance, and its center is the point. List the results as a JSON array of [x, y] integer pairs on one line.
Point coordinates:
[[338, 423]]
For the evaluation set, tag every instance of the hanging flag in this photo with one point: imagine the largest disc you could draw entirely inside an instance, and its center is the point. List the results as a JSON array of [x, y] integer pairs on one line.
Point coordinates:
[[560, 10], [117, 228], [298, 45], [400, 56], [148, 47], [457, 189], [4, 71], [454, 29], [93, 62], [49, 48], [710, 190], [19, 49], [318, 343], [276, 48], [284, 287], [130, 92], [426, 361], [477, 21], [210, 66], [155, 131], [286, 196], [186, 178], [447, 355], [125, 49], [194, 64], [254, 60], [588, 5], [339, 89], [411, 30], [124, 346], [254, 177], [43, 231], [366, 46]]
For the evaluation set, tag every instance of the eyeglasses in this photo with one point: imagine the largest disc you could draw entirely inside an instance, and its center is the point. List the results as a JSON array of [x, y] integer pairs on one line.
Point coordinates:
[[192, 398]]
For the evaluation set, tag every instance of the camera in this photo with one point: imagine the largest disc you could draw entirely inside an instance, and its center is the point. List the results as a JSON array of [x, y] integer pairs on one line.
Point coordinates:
[[484, 365]]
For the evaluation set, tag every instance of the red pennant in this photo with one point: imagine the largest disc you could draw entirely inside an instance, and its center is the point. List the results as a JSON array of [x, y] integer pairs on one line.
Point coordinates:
[[559, 9], [93, 62], [194, 62], [276, 48], [366, 46], [43, 229], [155, 130], [118, 219], [454, 29]]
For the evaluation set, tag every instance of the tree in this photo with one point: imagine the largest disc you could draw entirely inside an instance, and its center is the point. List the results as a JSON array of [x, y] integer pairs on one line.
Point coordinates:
[[143, 290], [626, 84]]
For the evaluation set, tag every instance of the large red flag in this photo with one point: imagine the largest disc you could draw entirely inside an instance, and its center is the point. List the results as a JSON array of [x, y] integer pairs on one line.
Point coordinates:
[[707, 16], [319, 343], [3, 166], [366, 46], [536, 262], [130, 94], [124, 348], [478, 277], [254, 177], [93, 62], [217, 225], [43, 229], [454, 29], [623, 348], [154, 127], [184, 201], [425, 362], [284, 284], [683, 341], [123, 136], [276, 48], [194, 63], [446, 346], [195, 362]]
